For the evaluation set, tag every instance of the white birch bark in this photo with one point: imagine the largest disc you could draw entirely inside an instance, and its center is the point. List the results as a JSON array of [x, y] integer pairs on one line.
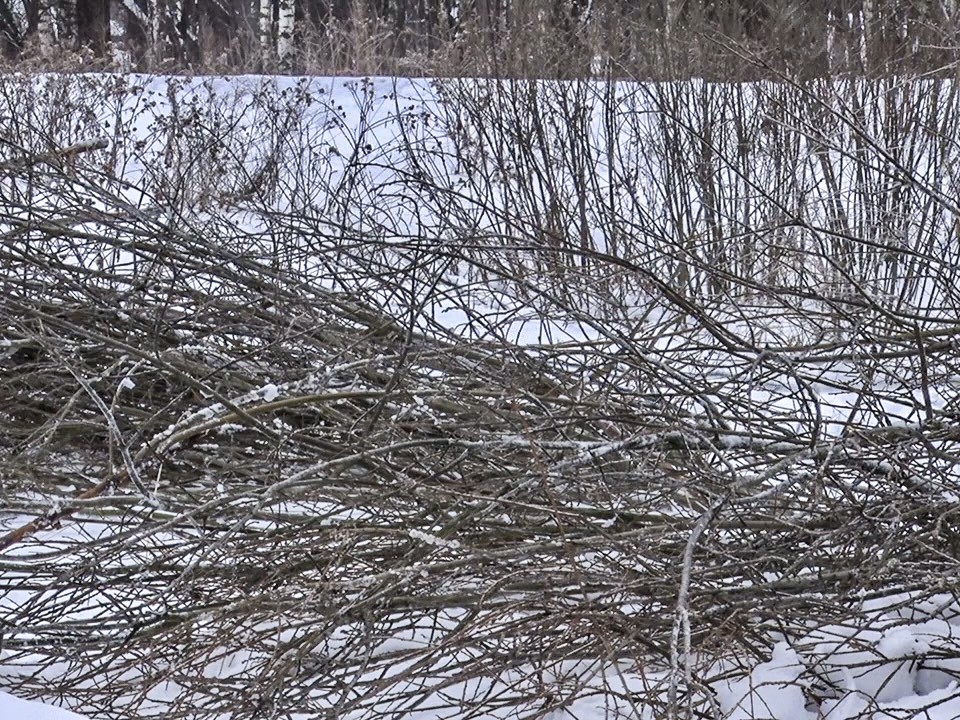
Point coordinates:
[[670, 19], [831, 40], [173, 12], [287, 14], [866, 32], [153, 13], [46, 29], [266, 30], [119, 54]]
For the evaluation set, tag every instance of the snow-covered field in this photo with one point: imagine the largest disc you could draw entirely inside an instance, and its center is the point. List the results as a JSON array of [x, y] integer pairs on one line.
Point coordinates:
[[479, 399]]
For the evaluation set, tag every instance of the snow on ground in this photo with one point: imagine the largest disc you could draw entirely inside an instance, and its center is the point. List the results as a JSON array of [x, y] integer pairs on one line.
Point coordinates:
[[904, 672], [902, 661], [13, 708], [889, 667]]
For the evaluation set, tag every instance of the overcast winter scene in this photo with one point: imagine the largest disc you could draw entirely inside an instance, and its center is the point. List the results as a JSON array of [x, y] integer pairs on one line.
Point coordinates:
[[480, 359]]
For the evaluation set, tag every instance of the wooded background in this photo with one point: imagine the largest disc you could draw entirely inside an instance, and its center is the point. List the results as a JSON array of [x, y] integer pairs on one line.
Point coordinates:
[[566, 38]]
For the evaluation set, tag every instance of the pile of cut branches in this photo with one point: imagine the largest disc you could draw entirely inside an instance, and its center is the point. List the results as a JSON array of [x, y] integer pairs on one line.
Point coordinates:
[[233, 487]]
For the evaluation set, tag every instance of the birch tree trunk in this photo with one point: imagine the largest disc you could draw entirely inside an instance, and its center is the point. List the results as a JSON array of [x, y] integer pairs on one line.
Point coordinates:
[[266, 31], [154, 11], [47, 28], [286, 20], [171, 15], [866, 33], [117, 44], [834, 20], [669, 21]]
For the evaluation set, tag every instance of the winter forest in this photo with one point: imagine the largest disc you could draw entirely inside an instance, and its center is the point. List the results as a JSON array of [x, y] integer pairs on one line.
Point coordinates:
[[480, 359], [646, 38]]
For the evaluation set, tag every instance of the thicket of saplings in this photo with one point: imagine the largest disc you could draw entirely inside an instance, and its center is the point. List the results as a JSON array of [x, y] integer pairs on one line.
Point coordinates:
[[272, 448]]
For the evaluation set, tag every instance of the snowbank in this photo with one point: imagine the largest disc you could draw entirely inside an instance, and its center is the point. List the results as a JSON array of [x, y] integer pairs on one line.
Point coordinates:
[[13, 708]]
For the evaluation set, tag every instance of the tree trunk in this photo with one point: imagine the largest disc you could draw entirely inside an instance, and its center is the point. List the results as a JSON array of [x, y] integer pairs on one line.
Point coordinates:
[[286, 21], [866, 33], [669, 21], [266, 31], [117, 40], [12, 26], [68, 24], [47, 28]]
